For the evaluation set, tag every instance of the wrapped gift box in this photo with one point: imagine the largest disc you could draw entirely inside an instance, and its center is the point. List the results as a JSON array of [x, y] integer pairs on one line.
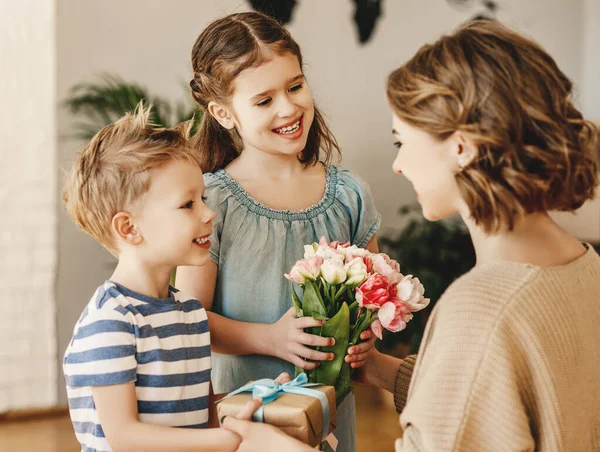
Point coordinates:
[[300, 416]]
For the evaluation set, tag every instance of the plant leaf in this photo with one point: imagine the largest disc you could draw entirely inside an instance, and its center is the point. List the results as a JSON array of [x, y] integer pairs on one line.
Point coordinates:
[[337, 327], [297, 302], [312, 303]]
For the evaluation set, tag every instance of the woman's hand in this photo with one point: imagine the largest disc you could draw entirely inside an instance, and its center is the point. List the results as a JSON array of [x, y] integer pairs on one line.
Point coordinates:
[[290, 342]]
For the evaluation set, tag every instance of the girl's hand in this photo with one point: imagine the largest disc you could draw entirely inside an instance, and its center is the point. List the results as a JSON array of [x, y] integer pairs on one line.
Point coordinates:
[[289, 341], [359, 354]]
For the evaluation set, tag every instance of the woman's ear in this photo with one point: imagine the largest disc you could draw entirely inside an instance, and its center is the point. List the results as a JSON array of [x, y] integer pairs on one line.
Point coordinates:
[[464, 150], [221, 114], [125, 229]]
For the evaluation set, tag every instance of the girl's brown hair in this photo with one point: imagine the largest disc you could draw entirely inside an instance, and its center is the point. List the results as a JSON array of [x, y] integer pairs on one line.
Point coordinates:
[[535, 150], [224, 49]]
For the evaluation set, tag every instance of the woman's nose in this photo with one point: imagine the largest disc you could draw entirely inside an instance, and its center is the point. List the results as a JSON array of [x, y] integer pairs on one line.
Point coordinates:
[[396, 165]]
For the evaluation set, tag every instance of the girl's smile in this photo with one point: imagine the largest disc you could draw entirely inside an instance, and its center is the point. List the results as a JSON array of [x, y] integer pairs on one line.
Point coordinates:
[[291, 130]]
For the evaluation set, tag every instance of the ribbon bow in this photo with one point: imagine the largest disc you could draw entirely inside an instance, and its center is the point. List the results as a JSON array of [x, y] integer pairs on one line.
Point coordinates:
[[269, 390]]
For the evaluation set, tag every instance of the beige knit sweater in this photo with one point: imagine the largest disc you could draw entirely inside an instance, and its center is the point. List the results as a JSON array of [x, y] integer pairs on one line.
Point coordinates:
[[510, 361]]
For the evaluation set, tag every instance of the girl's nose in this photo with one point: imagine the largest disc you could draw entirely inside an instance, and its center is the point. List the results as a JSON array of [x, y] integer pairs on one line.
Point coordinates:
[[286, 107]]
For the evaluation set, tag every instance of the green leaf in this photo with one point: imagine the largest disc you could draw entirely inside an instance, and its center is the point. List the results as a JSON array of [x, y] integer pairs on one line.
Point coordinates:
[[353, 312], [319, 317], [337, 327], [344, 383], [312, 303], [297, 302]]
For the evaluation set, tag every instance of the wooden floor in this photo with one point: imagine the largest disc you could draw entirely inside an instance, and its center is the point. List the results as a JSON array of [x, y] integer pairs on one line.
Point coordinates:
[[376, 428]]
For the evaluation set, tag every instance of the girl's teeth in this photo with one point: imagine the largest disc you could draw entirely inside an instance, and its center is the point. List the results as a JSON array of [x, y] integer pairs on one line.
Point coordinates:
[[201, 241], [289, 129]]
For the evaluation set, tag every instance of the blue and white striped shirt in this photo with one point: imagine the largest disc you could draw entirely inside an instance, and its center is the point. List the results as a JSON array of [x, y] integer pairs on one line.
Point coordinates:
[[163, 345]]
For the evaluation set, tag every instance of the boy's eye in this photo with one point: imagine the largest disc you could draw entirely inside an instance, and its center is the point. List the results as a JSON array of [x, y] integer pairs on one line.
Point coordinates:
[[397, 145], [204, 199], [187, 205], [297, 87], [264, 103]]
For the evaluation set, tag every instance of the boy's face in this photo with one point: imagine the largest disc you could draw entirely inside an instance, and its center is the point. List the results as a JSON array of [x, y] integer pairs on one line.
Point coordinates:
[[172, 218]]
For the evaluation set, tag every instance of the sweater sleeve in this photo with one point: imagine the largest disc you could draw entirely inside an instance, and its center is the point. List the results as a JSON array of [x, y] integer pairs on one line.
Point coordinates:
[[402, 382]]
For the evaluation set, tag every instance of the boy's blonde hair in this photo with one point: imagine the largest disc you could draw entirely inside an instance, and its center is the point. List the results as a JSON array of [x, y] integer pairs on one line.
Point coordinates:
[[112, 171]]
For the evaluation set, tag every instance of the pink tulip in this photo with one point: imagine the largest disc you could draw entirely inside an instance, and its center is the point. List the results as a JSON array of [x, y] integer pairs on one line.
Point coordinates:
[[305, 269], [374, 292], [394, 315], [377, 329], [410, 291]]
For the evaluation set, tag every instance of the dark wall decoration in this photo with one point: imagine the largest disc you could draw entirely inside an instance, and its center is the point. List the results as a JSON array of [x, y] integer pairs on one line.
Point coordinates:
[[281, 10], [485, 9], [366, 13]]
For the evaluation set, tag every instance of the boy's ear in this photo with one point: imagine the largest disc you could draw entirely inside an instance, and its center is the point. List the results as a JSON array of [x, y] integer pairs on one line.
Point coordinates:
[[123, 227], [464, 150], [221, 114]]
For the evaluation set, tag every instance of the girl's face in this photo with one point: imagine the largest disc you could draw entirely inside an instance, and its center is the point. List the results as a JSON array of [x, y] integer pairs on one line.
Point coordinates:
[[430, 165], [272, 107]]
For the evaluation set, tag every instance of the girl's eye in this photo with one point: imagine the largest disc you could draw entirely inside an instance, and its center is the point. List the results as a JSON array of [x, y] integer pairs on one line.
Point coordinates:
[[264, 103], [297, 87], [397, 145], [187, 205], [204, 199]]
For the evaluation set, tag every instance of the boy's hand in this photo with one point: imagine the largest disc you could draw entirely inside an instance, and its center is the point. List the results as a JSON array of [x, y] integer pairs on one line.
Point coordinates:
[[257, 436], [289, 341]]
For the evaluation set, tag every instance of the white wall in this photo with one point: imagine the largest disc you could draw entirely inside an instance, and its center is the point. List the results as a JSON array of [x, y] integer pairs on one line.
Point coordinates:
[[585, 223], [28, 245], [591, 60], [150, 41]]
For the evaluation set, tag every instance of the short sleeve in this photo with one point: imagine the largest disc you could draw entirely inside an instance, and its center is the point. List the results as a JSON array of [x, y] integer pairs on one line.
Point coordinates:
[[102, 351], [218, 204], [355, 195]]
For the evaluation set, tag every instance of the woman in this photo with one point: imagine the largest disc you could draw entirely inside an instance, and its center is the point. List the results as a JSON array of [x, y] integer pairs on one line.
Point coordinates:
[[510, 358]]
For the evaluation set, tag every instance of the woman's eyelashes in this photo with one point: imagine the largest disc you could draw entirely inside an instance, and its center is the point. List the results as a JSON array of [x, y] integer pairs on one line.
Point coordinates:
[[397, 145]]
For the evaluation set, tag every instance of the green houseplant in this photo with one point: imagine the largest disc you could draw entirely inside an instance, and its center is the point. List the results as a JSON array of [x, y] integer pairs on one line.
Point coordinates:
[[106, 99]]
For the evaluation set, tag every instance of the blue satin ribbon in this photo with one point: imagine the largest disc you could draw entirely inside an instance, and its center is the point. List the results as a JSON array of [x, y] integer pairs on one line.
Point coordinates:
[[270, 390]]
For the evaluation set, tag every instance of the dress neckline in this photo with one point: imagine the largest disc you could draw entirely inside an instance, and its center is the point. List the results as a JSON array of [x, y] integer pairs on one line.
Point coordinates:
[[331, 179]]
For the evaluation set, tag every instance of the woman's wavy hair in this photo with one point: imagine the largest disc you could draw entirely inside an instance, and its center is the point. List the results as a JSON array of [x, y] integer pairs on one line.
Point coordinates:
[[222, 51], [535, 151]]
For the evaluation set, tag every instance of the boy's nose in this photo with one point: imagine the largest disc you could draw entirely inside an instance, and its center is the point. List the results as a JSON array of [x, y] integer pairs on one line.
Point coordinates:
[[208, 215]]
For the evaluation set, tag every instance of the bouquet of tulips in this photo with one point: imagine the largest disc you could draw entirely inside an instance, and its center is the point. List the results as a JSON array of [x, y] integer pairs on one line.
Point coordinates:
[[351, 289]]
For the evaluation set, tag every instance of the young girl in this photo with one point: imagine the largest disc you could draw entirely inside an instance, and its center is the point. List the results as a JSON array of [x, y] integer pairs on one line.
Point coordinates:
[[510, 358], [267, 153]]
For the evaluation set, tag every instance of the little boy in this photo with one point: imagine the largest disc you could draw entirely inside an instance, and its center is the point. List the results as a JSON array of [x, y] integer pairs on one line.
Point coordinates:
[[139, 360]]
